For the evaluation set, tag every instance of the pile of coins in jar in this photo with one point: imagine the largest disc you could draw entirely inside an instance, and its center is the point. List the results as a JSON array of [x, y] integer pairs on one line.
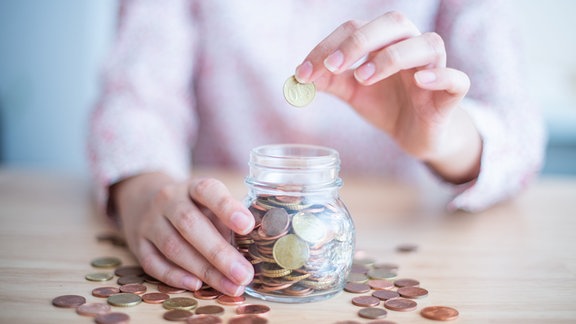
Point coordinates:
[[298, 247]]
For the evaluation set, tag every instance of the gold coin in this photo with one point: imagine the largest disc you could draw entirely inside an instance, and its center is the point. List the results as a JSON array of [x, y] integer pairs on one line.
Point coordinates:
[[99, 276], [309, 227], [298, 94], [185, 303], [106, 262], [124, 300], [290, 252]]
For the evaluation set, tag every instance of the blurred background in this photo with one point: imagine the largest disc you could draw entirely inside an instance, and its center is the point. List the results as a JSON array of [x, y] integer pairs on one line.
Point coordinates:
[[51, 51]]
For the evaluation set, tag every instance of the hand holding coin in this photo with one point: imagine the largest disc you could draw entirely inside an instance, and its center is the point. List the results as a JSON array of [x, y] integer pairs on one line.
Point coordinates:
[[396, 78]]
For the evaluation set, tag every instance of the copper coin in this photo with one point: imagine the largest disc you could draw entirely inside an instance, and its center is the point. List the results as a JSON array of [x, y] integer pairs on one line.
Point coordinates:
[[380, 284], [357, 277], [185, 303], [112, 318], [130, 280], [385, 294], [406, 283], [93, 309], [252, 309], [204, 319], [129, 271], [372, 313], [155, 298], [381, 274], [275, 222], [247, 319], [210, 310], [207, 293], [105, 292], [231, 300], [365, 301], [134, 288], [162, 287], [356, 288], [359, 268], [381, 322], [400, 304], [68, 301], [439, 313], [177, 315], [412, 292], [347, 322]]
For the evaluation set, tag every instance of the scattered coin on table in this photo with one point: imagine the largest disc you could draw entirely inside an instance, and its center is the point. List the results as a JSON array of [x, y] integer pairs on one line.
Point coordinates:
[[210, 310], [106, 262], [439, 313], [105, 292], [177, 315], [412, 292], [112, 318], [252, 309], [99, 276], [400, 304], [124, 300], [93, 309], [68, 301], [185, 303], [155, 297], [372, 313]]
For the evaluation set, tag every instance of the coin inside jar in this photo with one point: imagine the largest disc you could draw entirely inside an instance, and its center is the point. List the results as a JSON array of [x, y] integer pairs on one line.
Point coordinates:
[[290, 252], [298, 94], [275, 222]]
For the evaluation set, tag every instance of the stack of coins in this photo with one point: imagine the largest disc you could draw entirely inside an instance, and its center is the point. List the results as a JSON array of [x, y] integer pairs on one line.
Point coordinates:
[[299, 247]]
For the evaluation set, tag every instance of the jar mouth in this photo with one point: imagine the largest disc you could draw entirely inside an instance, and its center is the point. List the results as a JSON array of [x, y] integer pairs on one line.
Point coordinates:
[[294, 156], [294, 164]]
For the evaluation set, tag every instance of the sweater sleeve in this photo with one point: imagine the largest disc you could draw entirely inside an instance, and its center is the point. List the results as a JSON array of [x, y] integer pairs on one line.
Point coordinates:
[[480, 40], [144, 118]]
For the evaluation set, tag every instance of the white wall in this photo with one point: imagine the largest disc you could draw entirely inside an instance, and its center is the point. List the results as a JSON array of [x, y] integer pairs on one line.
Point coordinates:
[[50, 52]]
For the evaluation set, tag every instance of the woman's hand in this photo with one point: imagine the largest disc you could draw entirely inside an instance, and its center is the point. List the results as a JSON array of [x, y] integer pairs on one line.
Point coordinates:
[[180, 232], [403, 87]]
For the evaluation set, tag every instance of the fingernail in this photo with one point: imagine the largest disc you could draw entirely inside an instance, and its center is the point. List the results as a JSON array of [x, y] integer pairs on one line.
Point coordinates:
[[334, 61], [365, 72], [303, 72], [241, 274], [192, 283], [231, 289], [242, 223], [425, 76]]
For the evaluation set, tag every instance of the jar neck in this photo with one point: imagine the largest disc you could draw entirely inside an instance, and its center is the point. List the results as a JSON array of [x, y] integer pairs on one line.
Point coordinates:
[[294, 168]]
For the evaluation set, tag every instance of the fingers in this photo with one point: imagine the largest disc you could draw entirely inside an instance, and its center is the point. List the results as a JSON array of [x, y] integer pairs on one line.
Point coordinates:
[[426, 50], [215, 196], [351, 42], [185, 250], [452, 84]]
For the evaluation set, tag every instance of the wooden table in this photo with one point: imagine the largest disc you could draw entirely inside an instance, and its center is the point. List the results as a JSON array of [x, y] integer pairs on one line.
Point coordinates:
[[514, 263]]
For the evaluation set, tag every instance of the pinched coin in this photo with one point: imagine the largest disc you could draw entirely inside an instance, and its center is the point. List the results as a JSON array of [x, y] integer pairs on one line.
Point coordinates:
[[185, 303], [68, 301], [400, 304], [275, 222], [309, 227], [412, 292], [93, 309], [372, 313], [177, 315], [112, 318], [298, 94], [231, 300], [207, 293], [290, 252], [252, 309], [439, 313], [124, 300], [164, 288]]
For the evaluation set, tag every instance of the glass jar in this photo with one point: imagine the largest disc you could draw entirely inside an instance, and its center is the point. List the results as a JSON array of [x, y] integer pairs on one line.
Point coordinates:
[[302, 245]]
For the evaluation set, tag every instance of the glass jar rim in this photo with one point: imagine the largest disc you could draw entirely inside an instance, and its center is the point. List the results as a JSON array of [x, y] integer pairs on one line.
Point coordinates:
[[294, 156]]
